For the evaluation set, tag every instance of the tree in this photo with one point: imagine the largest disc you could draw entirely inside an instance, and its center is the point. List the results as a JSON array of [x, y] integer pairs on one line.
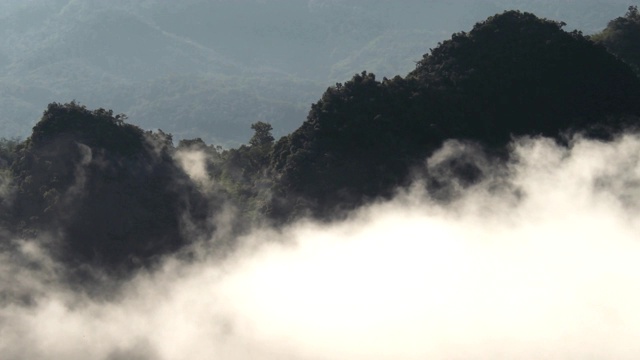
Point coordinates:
[[622, 36], [262, 135], [633, 13]]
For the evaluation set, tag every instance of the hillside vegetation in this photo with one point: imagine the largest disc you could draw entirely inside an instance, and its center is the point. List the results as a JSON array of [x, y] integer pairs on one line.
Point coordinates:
[[116, 197], [622, 36]]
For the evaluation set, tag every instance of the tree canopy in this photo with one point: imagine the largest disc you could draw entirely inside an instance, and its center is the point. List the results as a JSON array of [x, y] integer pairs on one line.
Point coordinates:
[[513, 74], [622, 36], [112, 190]]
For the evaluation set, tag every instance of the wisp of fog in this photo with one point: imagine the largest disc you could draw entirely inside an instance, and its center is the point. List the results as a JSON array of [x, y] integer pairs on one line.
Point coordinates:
[[539, 260]]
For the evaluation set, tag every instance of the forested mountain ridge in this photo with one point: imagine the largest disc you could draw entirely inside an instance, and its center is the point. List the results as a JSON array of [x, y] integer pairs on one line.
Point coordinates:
[[511, 75], [118, 197], [251, 60]]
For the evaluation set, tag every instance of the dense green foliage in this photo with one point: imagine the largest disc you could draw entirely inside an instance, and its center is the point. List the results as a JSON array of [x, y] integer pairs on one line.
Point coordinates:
[[242, 173]]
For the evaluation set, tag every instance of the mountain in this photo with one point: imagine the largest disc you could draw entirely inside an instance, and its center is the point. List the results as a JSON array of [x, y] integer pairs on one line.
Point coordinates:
[[253, 60], [101, 193], [511, 75]]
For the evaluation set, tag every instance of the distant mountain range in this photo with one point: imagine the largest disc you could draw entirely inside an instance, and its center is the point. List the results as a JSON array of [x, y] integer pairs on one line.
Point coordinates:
[[211, 68]]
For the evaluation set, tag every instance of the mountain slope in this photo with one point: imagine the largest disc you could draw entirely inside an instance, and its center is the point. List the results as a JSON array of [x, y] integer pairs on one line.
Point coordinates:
[[110, 193], [513, 74]]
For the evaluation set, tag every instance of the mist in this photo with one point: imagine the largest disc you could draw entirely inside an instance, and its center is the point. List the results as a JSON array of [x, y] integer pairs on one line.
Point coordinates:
[[538, 260]]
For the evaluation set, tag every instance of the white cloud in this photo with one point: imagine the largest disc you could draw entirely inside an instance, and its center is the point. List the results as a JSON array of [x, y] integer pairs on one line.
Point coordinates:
[[550, 273]]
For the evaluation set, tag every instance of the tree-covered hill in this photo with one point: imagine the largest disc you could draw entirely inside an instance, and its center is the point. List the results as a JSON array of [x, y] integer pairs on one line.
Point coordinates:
[[111, 193], [513, 74], [116, 197]]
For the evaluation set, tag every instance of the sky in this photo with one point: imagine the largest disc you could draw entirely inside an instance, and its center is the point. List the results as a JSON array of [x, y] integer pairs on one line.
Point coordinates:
[[539, 260]]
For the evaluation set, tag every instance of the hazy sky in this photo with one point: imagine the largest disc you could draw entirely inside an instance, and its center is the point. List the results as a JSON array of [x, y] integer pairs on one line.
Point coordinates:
[[538, 261]]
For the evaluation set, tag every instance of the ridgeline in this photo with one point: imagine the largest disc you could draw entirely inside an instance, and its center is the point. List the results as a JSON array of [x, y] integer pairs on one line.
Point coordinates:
[[116, 197]]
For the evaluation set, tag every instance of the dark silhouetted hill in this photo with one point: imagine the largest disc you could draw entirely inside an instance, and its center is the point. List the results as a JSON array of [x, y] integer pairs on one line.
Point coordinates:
[[513, 74], [109, 191], [116, 197]]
